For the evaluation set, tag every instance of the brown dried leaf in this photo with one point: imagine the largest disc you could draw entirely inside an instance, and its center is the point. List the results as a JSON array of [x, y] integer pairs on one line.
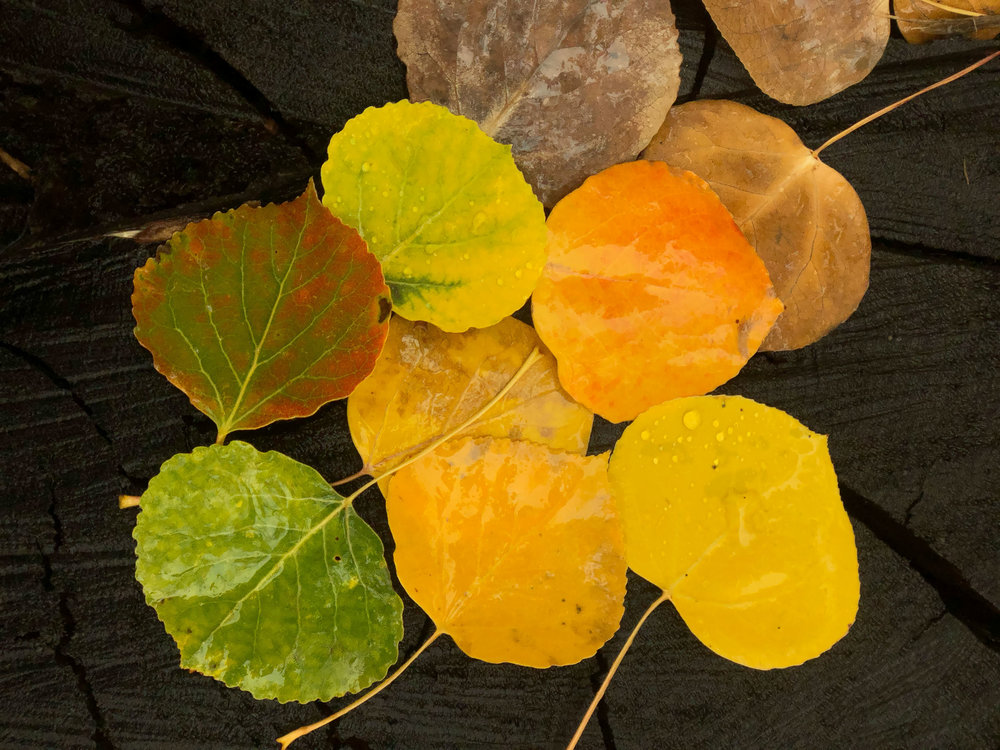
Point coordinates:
[[573, 85], [803, 218], [920, 21], [804, 51]]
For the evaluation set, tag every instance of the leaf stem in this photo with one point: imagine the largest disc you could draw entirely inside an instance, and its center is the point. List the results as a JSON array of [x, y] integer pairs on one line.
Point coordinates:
[[886, 110], [22, 169], [614, 668], [530, 360], [952, 9], [128, 501], [364, 472], [289, 738]]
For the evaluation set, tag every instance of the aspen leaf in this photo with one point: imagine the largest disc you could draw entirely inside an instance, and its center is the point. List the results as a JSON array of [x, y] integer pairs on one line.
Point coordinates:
[[573, 85], [804, 51], [460, 235], [920, 21], [265, 577], [260, 314], [647, 267], [732, 508], [804, 219], [512, 549], [428, 382]]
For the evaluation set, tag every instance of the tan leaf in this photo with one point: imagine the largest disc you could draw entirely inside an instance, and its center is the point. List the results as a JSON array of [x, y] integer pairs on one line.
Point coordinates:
[[573, 85], [804, 51], [803, 218], [920, 21]]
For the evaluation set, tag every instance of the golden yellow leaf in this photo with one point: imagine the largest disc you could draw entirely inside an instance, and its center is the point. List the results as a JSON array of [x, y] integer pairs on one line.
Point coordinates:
[[512, 549], [732, 508], [428, 382]]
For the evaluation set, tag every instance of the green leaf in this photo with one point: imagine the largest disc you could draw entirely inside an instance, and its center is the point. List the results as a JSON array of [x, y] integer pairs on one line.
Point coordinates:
[[266, 578], [460, 235], [261, 314]]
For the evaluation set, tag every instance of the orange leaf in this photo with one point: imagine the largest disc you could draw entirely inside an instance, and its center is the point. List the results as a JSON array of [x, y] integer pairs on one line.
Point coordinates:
[[647, 267], [512, 549]]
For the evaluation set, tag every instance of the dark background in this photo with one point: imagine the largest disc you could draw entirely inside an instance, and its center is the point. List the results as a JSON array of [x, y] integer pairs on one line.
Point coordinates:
[[128, 111]]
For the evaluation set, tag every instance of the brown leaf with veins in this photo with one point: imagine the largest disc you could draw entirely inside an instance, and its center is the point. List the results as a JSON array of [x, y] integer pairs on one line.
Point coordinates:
[[803, 218], [804, 51], [920, 21], [573, 85]]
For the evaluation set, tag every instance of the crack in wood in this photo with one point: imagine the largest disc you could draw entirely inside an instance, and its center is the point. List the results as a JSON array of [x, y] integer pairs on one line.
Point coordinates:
[[130, 481], [61, 651], [960, 599], [930, 624], [155, 22], [704, 62], [933, 255], [286, 187]]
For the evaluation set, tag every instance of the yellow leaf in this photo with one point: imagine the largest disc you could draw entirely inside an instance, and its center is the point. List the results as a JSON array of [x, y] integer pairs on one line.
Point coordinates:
[[512, 549], [732, 508], [460, 236], [428, 382]]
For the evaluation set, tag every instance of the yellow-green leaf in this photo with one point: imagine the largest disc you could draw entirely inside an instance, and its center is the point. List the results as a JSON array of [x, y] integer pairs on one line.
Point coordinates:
[[512, 549], [266, 578], [460, 235], [732, 508], [428, 382]]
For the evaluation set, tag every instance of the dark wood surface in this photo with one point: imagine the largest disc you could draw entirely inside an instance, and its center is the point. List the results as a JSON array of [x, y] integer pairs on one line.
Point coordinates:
[[129, 111]]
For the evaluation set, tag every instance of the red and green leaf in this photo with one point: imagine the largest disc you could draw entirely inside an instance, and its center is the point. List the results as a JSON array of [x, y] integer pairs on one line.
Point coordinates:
[[261, 314]]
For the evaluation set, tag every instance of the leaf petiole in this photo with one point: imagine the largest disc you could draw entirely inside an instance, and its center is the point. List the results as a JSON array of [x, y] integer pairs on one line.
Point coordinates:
[[614, 668], [128, 501], [952, 9], [886, 110], [289, 738], [365, 471]]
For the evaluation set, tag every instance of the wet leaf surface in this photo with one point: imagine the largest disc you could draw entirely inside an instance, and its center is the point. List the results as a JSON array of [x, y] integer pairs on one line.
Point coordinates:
[[803, 218], [647, 267], [732, 508], [427, 382], [512, 549], [573, 85], [265, 577], [460, 235]]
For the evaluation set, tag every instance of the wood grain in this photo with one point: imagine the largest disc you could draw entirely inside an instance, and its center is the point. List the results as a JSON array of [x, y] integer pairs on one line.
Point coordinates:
[[126, 112]]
